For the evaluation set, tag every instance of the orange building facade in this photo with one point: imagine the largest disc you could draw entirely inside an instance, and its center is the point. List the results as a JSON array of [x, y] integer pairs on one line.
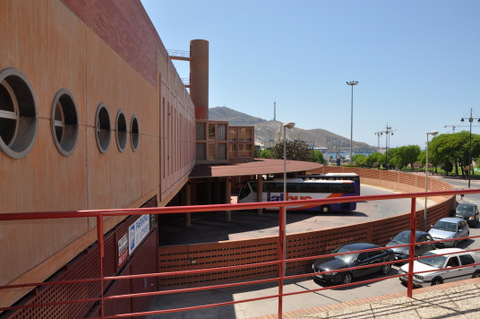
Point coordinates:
[[94, 115]]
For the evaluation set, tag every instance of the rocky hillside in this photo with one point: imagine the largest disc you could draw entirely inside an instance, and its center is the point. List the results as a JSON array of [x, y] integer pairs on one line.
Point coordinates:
[[269, 132]]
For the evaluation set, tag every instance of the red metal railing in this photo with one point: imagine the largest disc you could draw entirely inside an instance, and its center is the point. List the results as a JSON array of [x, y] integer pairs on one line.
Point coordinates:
[[281, 262]]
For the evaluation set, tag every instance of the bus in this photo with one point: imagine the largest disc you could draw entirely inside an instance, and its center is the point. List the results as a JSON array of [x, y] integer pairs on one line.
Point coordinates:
[[334, 177], [298, 189]]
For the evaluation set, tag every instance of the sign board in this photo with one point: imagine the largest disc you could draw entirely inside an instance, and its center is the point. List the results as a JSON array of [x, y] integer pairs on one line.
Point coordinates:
[[137, 232], [122, 249]]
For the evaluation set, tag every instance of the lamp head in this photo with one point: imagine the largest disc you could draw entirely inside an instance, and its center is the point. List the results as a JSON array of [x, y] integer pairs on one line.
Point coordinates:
[[289, 125], [433, 133]]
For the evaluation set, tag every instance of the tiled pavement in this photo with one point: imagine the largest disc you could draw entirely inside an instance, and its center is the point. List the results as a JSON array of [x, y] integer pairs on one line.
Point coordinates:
[[451, 300]]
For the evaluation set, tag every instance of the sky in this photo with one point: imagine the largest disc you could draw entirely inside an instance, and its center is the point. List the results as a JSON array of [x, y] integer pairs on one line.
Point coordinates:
[[415, 62]]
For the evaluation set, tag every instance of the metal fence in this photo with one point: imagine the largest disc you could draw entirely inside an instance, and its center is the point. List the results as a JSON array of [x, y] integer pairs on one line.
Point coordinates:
[[99, 298]]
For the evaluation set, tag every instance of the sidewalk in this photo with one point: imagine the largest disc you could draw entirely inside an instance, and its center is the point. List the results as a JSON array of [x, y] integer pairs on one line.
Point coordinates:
[[459, 299]]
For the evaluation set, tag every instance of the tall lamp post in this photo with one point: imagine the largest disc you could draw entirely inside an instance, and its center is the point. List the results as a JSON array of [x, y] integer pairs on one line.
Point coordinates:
[[288, 125], [470, 119], [388, 131], [433, 133], [351, 83]]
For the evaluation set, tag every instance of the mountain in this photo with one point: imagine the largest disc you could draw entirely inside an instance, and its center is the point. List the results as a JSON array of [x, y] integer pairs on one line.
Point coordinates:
[[267, 133]]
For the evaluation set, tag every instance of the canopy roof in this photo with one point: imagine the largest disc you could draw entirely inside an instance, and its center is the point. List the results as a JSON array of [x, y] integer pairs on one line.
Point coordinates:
[[255, 167]]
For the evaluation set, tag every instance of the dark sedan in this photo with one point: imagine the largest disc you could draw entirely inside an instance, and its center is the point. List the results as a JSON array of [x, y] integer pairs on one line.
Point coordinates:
[[355, 259], [468, 212], [403, 238]]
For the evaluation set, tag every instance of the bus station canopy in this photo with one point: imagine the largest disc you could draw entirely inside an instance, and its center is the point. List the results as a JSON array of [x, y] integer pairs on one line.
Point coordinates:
[[258, 166]]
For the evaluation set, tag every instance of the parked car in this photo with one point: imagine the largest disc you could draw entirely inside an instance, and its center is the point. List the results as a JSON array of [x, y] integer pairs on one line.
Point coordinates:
[[403, 238], [355, 259], [439, 267], [449, 228], [469, 212]]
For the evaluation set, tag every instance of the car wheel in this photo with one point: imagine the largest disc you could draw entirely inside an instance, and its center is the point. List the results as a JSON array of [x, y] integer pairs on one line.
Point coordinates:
[[385, 269], [476, 274], [437, 281], [325, 209], [347, 278]]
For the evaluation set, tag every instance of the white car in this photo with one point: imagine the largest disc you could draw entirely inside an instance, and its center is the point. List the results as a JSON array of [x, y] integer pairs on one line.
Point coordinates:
[[448, 258]]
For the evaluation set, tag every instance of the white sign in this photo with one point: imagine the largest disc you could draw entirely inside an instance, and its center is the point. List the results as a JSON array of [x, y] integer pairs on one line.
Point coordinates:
[[122, 249], [137, 232]]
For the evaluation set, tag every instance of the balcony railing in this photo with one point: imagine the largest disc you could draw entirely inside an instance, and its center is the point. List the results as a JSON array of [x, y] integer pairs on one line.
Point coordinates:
[[280, 262]]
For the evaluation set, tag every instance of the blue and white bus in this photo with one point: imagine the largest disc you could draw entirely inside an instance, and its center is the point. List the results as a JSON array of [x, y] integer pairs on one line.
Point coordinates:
[[298, 189], [334, 177]]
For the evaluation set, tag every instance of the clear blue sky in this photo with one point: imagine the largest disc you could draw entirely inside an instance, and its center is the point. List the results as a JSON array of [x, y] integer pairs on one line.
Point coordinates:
[[416, 61]]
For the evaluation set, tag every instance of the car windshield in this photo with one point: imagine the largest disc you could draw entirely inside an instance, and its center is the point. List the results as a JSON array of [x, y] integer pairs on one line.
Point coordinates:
[[347, 257], [464, 209], [443, 225], [402, 238], [434, 261]]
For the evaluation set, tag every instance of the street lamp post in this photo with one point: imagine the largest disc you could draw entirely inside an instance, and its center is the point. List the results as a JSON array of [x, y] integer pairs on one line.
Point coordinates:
[[470, 120], [433, 133], [387, 138], [351, 83], [388, 131], [288, 125]]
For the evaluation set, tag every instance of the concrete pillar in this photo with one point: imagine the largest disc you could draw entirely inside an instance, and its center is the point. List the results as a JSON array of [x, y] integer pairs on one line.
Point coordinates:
[[259, 193], [188, 202], [199, 77], [228, 197]]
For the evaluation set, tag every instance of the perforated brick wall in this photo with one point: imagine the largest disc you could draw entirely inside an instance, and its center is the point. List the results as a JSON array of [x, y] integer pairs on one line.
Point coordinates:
[[176, 258]]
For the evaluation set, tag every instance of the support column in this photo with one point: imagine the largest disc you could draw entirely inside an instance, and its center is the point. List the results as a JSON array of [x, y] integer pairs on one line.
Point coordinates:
[[259, 192], [228, 197], [188, 202]]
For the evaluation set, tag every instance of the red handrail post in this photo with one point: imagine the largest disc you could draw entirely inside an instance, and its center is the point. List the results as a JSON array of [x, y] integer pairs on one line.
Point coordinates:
[[281, 256], [411, 255], [101, 253]]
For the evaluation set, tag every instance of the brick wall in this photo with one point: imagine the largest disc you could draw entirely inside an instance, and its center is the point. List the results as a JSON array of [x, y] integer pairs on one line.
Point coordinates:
[[134, 39]]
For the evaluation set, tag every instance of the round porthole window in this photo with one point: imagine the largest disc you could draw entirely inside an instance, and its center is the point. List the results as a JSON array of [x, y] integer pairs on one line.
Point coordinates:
[[134, 133], [121, 131], [18, 114], [64, 122], [102, 128]]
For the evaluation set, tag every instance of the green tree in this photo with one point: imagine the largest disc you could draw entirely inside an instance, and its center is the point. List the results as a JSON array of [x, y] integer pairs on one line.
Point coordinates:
[[454, 150], [375, 159], [359, 160], [394, 158], [404, 156], [387, 159], [265, 153], [443, 151], [465, 155], [318, 157], [296, 150]]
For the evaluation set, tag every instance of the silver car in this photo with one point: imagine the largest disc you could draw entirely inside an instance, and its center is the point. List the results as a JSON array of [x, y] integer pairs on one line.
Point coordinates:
[[449, 228], [442, 266]]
